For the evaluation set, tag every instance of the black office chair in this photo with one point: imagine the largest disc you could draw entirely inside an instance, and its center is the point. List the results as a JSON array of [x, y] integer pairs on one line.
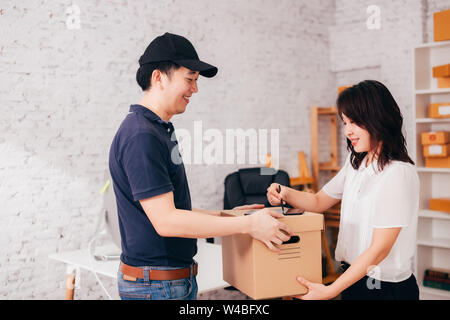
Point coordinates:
[[248, 186]]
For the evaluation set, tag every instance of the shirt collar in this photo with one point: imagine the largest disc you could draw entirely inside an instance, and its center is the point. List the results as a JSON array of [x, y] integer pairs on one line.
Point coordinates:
[[150, 115], [371, 169]]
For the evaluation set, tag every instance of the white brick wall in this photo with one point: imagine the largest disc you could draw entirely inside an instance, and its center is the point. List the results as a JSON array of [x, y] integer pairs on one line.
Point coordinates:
[[64, 92]]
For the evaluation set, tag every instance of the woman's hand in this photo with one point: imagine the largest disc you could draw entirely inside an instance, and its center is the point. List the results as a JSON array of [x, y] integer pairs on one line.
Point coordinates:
[[316, 291], [249, 207], [273, 195]]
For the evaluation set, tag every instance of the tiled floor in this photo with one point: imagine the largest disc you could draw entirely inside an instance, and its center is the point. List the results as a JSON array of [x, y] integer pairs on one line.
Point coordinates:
[[223, 294]]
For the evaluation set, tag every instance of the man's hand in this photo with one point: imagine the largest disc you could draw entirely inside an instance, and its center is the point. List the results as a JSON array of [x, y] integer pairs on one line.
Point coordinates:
[[266, 228], [249, 207]]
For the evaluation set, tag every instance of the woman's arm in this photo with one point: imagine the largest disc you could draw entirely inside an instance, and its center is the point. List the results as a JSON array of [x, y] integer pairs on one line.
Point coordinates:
[[382, 242]]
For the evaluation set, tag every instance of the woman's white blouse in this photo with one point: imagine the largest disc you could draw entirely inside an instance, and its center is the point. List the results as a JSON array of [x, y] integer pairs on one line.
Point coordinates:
[[373, 199]]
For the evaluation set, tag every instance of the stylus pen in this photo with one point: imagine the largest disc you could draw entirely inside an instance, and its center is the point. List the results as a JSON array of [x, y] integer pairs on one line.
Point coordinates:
[[282, 206]]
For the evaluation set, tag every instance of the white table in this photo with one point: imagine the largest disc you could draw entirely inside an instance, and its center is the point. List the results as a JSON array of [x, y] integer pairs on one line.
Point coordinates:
[[209, 258]]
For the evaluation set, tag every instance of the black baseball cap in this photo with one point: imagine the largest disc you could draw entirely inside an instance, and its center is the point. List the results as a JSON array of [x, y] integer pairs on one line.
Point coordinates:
[[178, 49]]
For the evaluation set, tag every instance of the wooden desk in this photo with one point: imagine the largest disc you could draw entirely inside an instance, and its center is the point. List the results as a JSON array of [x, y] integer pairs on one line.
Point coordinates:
[[209, 258]]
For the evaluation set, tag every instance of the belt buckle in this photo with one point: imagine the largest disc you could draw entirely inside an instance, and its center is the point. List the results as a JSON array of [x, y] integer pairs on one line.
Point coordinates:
[[129, 278]]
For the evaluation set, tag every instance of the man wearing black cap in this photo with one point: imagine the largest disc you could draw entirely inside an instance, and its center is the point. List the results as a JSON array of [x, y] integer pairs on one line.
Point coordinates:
[[157, 224]]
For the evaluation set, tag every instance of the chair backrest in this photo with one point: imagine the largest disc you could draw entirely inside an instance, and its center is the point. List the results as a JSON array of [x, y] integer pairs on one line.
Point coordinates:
[[248, 186]]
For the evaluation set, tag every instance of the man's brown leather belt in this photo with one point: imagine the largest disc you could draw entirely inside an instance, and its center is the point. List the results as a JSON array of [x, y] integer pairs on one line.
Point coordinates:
[[134, 272]]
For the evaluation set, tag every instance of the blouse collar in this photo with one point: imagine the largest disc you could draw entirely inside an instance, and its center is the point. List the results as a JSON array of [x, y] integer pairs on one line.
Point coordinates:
[[371, 169]]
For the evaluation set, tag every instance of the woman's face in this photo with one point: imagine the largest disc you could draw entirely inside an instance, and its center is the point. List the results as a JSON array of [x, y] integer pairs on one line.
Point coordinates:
[[359, 137]]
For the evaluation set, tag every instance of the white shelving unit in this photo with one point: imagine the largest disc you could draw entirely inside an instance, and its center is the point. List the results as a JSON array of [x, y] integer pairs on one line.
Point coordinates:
[[433, 231]]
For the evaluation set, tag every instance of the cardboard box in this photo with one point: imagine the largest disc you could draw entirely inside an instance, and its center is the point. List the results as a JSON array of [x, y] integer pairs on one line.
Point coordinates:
[[440, 137], [261, 273], [439, 110], [441, 25], [342, 88], [437, 150], [440, 204], [441, 71], [443, 82], [437, 162]]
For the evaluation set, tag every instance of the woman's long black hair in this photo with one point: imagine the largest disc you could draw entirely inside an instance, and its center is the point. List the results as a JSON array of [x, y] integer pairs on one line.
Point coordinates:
[[371, 106]]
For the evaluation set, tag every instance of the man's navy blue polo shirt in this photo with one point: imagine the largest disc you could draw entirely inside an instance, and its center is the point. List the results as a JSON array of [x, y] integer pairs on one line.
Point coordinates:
[[141, 167]]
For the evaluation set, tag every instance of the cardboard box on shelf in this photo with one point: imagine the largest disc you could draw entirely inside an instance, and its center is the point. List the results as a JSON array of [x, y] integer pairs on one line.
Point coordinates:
[[438, 137], [439, 110], [443, 82], [437, 162], [440, 204], [342, 88], [436, 150], [261, 273], [441, 71], [441, 25]]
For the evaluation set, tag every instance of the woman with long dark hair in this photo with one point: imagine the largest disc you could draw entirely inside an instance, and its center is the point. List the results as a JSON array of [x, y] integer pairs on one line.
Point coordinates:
[[379, 189]]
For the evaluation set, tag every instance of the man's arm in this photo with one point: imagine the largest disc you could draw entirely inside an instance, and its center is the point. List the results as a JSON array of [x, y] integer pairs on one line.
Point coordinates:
[[171, 222], [210, 212], [217, 213]]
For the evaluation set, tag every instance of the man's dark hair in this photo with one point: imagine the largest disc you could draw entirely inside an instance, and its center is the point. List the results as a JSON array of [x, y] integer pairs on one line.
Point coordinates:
[[371, 106], [144, 73]]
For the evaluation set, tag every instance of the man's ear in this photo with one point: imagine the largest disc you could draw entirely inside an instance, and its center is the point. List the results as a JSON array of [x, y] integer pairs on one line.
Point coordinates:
[[156, 79]]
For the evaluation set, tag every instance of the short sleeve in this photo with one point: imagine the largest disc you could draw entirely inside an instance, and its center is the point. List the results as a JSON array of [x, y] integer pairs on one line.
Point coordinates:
[[335, 187], [397, 199], [145, 163]]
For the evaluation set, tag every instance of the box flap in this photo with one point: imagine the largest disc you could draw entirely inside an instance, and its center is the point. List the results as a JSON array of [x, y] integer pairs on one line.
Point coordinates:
[[308, 221]]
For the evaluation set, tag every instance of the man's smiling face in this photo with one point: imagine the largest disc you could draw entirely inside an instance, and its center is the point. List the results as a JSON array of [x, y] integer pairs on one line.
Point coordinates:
[[179, 88]]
